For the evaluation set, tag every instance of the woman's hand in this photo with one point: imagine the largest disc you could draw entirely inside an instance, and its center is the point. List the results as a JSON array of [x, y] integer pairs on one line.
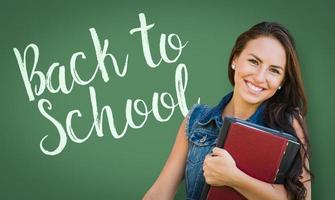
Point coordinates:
[[220, 168]]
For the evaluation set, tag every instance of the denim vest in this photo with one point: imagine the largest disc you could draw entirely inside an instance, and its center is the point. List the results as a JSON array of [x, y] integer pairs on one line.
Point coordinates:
[[202, 128]]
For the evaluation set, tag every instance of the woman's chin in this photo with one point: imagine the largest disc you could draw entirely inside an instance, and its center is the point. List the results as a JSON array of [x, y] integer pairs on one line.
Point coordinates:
[[252, 98]]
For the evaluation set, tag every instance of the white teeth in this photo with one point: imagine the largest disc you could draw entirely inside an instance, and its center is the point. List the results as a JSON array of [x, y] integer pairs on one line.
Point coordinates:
[[253, 87]]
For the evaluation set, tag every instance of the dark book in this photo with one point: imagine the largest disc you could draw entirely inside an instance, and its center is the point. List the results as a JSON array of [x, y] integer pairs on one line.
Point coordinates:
[[262, 153]]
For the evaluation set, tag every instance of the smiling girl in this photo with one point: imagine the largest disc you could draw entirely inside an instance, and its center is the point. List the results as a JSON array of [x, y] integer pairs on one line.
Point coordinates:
[[267, 90]]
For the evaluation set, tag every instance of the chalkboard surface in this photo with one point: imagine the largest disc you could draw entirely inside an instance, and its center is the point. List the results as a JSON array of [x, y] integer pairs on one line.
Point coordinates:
[[93, 92]]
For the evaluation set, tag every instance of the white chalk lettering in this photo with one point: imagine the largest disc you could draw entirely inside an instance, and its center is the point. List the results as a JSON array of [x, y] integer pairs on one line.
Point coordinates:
[[62, 78]]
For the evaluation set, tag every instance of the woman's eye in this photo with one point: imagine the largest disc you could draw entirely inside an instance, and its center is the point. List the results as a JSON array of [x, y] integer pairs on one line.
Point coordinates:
[[275, 71], [253, 61]]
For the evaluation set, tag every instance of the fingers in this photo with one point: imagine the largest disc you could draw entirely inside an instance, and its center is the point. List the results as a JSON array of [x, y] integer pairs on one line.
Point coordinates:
[[205, 171], [207, 160], [215, 152], [208, 156], [218, 151]]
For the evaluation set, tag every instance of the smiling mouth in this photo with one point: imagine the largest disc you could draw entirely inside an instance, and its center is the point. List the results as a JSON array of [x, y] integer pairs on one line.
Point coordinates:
[[253, 88]]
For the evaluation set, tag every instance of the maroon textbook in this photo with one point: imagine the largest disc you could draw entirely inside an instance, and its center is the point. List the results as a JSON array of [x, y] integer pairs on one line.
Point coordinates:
[[263, 153]]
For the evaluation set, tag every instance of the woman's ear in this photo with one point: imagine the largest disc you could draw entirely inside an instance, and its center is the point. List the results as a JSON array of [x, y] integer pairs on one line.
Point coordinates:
[[233, 63], [234, 60]]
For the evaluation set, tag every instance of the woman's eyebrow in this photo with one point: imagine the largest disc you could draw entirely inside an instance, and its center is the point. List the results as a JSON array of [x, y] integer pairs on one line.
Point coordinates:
[[259, 60]]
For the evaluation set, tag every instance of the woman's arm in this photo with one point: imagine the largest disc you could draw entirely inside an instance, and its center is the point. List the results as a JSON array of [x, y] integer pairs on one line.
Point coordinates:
[[166, 185], [221, 170]]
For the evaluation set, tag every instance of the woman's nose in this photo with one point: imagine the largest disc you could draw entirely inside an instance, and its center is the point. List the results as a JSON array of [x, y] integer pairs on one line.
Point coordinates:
[[260, 75]]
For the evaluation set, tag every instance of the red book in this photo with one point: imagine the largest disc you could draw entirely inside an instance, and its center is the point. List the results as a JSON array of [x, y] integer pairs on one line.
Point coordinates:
[[263, 153]]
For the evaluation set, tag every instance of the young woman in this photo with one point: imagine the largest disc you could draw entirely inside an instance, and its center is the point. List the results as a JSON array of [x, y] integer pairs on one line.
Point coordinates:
[[268, 90]]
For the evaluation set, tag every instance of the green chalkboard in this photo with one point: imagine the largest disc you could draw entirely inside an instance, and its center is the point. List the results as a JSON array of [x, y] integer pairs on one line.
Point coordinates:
[[93, 92]]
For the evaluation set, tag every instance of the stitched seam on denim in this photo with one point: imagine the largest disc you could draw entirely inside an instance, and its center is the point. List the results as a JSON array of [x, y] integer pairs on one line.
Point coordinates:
[[188, 120], [186, 180], [204, 109], [197, 181]]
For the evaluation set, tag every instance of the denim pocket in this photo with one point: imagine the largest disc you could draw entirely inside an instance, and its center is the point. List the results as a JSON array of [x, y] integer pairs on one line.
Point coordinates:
[[201, 143]]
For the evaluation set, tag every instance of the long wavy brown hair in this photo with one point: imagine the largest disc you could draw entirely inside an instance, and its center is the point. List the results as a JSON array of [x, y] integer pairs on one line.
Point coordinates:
[[286, 104]]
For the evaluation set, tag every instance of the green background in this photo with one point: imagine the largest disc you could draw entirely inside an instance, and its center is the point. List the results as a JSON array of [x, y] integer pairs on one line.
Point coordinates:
[[107, 168]]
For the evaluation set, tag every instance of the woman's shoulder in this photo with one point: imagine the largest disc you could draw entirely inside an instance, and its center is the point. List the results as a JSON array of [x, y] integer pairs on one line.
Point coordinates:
[[299, 126], [198, 109], [298, 123], [195, 113], [294, 115]]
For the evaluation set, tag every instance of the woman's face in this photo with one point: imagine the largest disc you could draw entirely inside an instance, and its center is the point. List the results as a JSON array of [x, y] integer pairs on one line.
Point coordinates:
[[259, 70]]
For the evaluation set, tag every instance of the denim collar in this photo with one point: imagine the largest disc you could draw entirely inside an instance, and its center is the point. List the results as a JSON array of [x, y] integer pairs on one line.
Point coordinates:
[[215, 113]]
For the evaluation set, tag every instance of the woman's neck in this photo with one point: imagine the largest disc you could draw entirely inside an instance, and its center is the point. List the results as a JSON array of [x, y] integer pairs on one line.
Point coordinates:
[[239, 108]]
